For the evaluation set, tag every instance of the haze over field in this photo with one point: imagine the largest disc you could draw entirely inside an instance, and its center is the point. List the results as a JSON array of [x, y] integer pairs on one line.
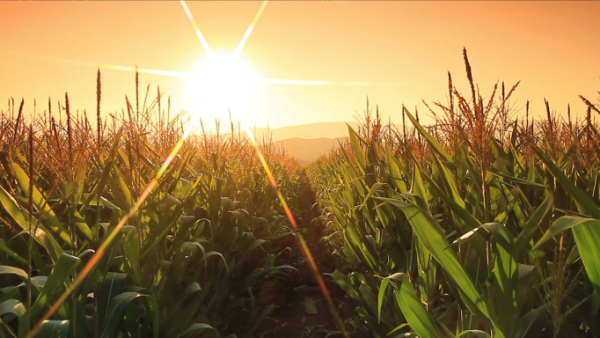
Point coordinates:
[[394, 52], [308, 131], [340, 169], [297, 81], [307, 151]]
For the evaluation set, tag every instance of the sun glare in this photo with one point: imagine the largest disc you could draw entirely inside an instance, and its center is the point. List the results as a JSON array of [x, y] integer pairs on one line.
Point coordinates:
[[222, 83]]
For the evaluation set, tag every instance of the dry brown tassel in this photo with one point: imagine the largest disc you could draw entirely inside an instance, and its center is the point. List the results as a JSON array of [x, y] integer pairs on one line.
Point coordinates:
[[98, 117], [470, 77], [68, 110], [451, 95], [549, 118], [49, 110], [17, 125], [527, 116], [137, 93], [569, 115], [404, 124], [160, 115]]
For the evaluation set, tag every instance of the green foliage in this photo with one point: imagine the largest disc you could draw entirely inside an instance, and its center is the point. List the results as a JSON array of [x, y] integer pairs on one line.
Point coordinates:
[[485, 225], [190, 263]]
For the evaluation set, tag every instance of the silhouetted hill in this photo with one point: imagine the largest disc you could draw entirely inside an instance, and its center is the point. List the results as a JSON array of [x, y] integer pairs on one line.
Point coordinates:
[[308, 150], [329, 130]]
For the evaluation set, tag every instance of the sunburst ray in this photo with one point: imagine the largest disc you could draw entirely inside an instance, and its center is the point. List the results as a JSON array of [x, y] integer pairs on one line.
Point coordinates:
[[133, 69], [114, 67], [154, 182], [196, 29], [324, 83], [192, 74], [239, 48]]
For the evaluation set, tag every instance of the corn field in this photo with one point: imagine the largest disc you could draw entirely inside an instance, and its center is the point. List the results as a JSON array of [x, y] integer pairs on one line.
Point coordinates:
[[189, 263], [483, 224]]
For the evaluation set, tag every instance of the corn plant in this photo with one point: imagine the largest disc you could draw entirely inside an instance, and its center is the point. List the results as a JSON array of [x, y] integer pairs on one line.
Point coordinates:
[[460, 228], [189, 263]]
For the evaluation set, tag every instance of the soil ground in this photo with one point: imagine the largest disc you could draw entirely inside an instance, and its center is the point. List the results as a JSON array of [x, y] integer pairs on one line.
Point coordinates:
[[294, 318]]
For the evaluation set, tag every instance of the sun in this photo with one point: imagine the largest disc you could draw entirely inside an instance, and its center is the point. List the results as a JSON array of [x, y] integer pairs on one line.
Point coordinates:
[[222, 83]]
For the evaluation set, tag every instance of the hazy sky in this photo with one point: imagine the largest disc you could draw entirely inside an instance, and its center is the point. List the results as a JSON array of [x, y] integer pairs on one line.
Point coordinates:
[[403, 48]]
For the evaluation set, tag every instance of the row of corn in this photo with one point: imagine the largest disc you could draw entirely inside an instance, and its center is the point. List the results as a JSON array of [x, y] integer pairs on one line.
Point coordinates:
[[484, 224], [189, 263]]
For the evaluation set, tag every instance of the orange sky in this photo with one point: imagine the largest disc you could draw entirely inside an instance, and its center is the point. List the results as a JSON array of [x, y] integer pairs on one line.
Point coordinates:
[[406, 48]]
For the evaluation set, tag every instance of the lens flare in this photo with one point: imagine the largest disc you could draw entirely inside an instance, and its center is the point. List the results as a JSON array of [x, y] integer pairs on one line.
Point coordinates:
[[239, 48], [222, 83], [304, 248], [108, 240], [196, 29]]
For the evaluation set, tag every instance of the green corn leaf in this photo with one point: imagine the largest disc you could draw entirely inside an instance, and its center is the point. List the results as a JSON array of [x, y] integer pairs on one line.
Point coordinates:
[[84, 229], [354, 140], [185, 228], [519, 180], [587, 237], [60, 274], [579, 196], [397, 328], [116, 310], [166, 226], [16, 308], [195, 329], [501, 218], [368, 298], [475, 333], [427, 271], [506, 276], [466, 217], [416, 316], [112, 158], [103, 202], [21, 216], [154, 312], [381, 296], [54, 329], [112, 285], [418, 189], [5, 269], [515, 207], [502, 159], [131, 248], [40, 204], [394, 170], [426, 278], [561, 224], [185, 308], [346, 284], [11, 253], [529, 325], [218, 254], [432, 236], [121, 190], [533, 223], [456, 204], [372, 192], [435, 145]]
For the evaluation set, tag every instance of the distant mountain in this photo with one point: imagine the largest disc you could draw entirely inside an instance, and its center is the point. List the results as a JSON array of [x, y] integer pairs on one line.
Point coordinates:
[[329, 130], [308, 141], [308, 150]]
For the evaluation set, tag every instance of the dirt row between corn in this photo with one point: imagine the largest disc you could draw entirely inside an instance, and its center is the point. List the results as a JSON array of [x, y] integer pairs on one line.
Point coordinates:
[[301, 310]]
